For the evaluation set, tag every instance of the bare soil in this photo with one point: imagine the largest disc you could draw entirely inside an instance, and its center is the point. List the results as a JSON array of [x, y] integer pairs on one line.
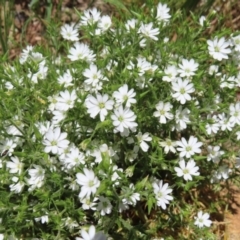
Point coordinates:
[[232, 217]]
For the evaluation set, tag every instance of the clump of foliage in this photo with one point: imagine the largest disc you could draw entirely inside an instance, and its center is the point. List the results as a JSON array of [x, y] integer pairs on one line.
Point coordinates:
[[119, 129]]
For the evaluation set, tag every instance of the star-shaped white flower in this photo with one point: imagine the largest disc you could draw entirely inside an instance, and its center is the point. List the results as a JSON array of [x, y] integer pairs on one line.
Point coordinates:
[[188, 149], [187, 170]]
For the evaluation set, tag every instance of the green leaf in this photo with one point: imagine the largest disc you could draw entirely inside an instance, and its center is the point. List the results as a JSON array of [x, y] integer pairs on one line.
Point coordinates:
[[20, 154], [125, 224], [202, 128], [117, 3], [189, 185], [102, 188], [5, 55], [136, 14], [200, 157], [103, 124], [142, 184], [150, 202], [143, 94], [84, 144], [36, 132], [105, 163], [33, 3], [190, 4]]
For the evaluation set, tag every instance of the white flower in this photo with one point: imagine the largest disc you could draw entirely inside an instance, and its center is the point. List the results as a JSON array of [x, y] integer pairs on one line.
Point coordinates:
[[166, 40], [124, 96], [187, 68], [43, 127], [93, 75], [90, 16], [236, 79], [152, 69], [122, 207], [8, 85], [115, 175], [72, 184], [7, 147], [131, 24], [223, 172], [163, 112], [88, 204], [213, 69], [202, 19], [131, 197], [238, 135], [37, 57], [202, 220], [142, 66], [162, 192], [101, 150], [148, 31], [99, 105], [218, 48], [236, 42], [163, 13], [58, 116], [234, 111], [17, 185], [187, 149], [66, 79], [89, 183], [104, 23], [93, 89], [91, 234], [74, 158], [37, 175], [182, 118], [214, 153], [43, 219], [142, 139], [213, 126], [40, 74], [25, 54], [217, 100], [187, 170], [66, 100], [168, 145], [104, 206], [69, 32], [81, 51], [224, 122], [55, 141], [53, 101], [15, 165], [181, 89], [16, 129], [124, 118], [171, 73], [132, 155], [228, 82], [69, 223]]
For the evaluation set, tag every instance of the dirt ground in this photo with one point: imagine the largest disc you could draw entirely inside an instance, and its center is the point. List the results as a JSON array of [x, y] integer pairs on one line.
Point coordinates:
[[27, 25], [232, 217]]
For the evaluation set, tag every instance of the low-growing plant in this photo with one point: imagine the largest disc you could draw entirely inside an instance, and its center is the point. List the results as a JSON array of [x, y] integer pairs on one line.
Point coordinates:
[[131, 132]]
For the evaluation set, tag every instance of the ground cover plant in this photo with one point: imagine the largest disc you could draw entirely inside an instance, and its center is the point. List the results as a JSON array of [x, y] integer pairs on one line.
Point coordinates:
[[120, 128]]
